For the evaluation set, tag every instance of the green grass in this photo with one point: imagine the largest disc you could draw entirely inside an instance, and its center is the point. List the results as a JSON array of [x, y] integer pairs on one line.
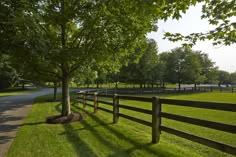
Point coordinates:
[[96, 135], [15, 91], [171, 86]]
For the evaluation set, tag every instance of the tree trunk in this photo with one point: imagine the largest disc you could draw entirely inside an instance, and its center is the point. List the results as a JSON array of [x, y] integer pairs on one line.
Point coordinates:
[[97, 84], [65, 96], [163, 84], [195, 86], [87, 85], [55, 91], [23, 85], [116, 84], [179, 85]]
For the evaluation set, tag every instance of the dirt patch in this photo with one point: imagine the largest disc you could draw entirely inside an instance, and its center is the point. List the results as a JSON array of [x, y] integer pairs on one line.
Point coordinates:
[[58, 119]]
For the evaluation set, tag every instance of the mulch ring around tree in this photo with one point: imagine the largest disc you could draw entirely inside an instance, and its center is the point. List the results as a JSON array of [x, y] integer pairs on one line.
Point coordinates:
[[59, 119]]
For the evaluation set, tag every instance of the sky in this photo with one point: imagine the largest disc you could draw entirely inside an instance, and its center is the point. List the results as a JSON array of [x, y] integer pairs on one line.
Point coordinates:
[[191, 22]]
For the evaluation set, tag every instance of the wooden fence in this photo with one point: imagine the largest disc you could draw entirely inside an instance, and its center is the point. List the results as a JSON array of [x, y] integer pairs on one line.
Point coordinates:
[[157, 114], [163, 90]]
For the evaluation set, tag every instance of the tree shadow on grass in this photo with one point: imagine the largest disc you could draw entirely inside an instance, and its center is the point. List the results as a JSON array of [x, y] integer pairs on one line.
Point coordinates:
[[115, 147], [80, 146]]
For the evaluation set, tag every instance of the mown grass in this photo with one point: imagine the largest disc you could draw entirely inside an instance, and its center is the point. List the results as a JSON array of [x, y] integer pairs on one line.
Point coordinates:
[[15, 91], [96, 136]]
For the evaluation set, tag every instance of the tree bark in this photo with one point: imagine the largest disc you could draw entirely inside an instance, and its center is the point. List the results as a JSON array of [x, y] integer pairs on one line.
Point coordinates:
[[23, 85], [163, 84], [116, 84], [87, 85], [65, 72], [65, 96], [55, 91], [179, 85], [97, 83]]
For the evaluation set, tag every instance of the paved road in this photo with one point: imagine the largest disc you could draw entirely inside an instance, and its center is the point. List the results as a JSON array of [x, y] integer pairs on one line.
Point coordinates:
[[13, 110]]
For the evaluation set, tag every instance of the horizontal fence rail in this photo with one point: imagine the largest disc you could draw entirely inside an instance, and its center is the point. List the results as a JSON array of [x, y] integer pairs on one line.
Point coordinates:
[[106, 96], [210, 143], [156, 116], [89, 99], [135, 109], [209, 124], [136, 119], [199, 104], [144, 99], [104, 109], [105, 102]]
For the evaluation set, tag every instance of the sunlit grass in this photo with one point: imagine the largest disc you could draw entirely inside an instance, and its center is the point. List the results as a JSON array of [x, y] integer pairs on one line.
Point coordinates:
[[15, 91], [96, 136]]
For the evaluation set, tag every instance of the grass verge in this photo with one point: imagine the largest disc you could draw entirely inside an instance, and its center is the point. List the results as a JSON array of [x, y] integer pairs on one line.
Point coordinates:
[[15, 91]]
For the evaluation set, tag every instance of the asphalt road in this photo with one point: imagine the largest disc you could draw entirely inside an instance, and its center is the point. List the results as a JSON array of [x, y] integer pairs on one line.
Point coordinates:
[[13, 110]]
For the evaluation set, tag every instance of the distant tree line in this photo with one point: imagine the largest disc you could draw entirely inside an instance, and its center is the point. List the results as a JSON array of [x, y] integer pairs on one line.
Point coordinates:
[[181, 65], [145, 67]]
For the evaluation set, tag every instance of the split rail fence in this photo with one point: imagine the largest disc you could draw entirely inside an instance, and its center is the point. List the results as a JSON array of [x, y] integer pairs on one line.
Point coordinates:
[[157, 115]]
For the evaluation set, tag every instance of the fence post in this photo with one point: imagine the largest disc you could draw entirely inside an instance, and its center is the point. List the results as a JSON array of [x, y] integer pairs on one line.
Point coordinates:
[[80, 96], [84, 100], [95, 102], [156, 119], [115, 108]]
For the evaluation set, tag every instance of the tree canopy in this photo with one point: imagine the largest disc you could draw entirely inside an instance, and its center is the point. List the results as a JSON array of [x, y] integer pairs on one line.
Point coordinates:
[[142, 71], [68, 35], [61, 38], [219, 13]]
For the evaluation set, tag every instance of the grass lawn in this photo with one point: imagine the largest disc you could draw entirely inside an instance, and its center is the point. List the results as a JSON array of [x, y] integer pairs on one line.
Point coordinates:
[[15, 91], [96, 135]]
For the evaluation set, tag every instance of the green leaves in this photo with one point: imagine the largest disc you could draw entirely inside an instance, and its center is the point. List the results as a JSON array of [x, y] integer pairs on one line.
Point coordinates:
[[183, 65], [219, 13]]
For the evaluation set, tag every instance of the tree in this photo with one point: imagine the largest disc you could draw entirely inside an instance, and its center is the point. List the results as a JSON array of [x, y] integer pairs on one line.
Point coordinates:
[[218, 13], [142, 71], [182, 66], [207, 73], [162, 68], [212, 76], [8, 75], [233, 78], [73, 34], [223, 77], [36, 69]]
